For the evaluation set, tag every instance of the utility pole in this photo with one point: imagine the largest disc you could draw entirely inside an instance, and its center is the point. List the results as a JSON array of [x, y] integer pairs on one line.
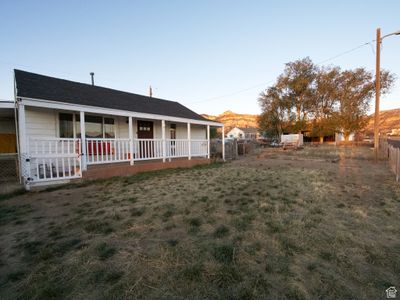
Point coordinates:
[[377, 92], [379, 40]]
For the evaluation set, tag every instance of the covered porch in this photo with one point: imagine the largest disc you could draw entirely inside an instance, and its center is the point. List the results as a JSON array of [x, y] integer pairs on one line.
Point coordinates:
[[105, 143]]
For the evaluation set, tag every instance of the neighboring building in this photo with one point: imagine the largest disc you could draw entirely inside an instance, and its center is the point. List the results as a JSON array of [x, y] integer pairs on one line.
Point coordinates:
[[339, 137], [243, 133], [66, 127], [8, 139]]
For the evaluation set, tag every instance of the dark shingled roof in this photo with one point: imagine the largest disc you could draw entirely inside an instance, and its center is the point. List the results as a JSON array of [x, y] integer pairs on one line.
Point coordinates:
[[31, 85]]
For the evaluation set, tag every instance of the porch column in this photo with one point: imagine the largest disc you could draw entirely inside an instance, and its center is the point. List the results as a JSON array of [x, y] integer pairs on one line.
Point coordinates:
[[164, 145], [130, 121], [83, 141], [189, 141], [22, 129], [223, 143], [208, 141], [23, 147]]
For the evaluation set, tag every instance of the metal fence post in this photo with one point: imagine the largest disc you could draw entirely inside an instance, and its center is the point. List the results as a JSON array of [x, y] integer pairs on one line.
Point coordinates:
[[397, 163]]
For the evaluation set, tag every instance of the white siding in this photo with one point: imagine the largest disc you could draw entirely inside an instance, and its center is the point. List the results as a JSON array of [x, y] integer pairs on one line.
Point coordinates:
[[41, 123], [199, 132]]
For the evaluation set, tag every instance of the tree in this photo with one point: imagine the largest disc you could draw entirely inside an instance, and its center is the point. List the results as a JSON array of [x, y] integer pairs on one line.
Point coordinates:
[[275, 112], [296, 83], [355, 90], [319, 100], [323, 100]]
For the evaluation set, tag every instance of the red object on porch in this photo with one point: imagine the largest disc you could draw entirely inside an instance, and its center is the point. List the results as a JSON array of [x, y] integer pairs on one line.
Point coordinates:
[[94, 148]]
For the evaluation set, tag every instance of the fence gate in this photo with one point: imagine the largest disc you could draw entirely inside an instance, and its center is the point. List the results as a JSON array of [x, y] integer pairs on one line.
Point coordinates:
[[53, 159]]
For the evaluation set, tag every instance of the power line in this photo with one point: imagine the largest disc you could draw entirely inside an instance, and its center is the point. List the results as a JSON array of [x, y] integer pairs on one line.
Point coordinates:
[[345, 52], [266, 83]]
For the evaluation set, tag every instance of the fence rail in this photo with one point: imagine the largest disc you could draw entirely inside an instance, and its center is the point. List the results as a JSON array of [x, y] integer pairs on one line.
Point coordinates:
[[53, 159], [390, 150], [100, 151]]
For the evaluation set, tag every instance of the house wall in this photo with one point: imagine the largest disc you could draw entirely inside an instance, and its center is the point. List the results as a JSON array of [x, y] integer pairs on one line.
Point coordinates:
[[41, 123]]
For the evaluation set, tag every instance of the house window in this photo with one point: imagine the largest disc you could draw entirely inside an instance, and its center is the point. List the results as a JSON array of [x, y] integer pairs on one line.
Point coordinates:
[[95, 126], [66, 126], [109, 128]]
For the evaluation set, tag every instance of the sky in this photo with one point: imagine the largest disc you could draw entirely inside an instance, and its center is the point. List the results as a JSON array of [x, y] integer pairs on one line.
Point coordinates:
[[211, 56]]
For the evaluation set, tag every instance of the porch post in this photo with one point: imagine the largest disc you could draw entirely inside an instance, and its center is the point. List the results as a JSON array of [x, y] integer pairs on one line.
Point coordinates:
[[189, 142], [83, 141], [22, 129], [23, 148], [164, 145], [208, 141], [131, 140], [223, 143]]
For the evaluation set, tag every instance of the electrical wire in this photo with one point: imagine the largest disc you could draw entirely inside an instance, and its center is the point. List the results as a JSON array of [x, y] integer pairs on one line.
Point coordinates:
[[266, 83]]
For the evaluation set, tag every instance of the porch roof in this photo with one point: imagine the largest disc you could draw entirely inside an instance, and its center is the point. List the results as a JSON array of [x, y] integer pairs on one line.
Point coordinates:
[[36, 86]]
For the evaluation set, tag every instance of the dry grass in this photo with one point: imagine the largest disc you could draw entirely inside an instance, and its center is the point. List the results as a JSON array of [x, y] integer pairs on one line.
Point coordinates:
[[281, 225]]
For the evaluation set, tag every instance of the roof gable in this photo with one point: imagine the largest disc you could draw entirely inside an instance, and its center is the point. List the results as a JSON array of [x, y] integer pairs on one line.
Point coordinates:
[[35, 86]]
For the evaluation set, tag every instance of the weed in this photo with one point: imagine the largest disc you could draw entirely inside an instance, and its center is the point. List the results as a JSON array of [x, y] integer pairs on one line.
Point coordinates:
[[97, 226], [221, 231], [227, 276], [192, 272], [224, 253], [243, 223], [104, 251], [106, 275], [137, 211], [172, 242]]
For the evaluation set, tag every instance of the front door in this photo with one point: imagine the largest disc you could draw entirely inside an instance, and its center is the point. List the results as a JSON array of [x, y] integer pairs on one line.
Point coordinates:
[[145, 131]]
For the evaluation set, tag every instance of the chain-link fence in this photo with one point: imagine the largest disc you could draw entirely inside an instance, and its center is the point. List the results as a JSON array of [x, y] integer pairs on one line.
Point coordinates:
[[390, 149], [8, 168], [233, 148]]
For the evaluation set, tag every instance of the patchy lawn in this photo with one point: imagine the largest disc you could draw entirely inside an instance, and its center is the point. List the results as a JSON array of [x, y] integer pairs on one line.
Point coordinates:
[[316, 223]]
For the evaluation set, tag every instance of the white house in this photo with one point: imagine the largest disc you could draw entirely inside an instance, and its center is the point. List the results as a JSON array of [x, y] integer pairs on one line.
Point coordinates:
[[248, 133], [64, 128]]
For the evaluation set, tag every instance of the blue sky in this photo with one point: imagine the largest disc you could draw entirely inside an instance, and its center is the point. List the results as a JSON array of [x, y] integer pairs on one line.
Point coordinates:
[[200, 53]]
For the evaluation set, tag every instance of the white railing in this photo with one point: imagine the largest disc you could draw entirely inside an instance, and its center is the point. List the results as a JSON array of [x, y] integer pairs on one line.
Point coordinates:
[[101, 151], [145, 149], [60, 158], [177, 148], [53, 159], [199, 148]]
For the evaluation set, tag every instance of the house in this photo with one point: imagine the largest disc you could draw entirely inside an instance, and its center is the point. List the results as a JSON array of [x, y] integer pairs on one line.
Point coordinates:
[[68, 130], [248, 133]]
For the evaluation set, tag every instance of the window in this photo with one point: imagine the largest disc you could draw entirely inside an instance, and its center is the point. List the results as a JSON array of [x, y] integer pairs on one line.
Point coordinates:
[[66, 126], [109, 128], [95, 126]]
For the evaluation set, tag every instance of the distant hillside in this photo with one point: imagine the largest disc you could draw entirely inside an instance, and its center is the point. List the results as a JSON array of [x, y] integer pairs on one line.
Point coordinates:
[[389, 120], [231, 120]]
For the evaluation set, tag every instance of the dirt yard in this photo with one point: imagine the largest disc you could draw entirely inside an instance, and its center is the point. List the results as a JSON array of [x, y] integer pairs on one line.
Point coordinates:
[[318, 223]]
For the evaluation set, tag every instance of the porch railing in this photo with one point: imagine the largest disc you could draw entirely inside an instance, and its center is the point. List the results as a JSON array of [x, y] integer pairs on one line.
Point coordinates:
[[199, 148], [60, 158], [100, 151], [177, 148], [53, 159]]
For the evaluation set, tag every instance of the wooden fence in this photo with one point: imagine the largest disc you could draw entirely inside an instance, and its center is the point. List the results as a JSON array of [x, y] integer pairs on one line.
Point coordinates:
[[389, 149]]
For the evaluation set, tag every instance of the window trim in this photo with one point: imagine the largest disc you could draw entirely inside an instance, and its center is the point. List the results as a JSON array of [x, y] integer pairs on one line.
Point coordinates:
[[76, 119]]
